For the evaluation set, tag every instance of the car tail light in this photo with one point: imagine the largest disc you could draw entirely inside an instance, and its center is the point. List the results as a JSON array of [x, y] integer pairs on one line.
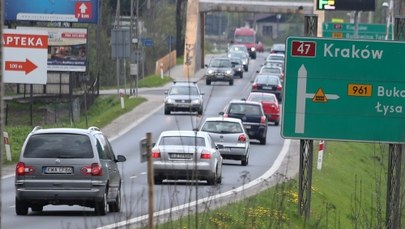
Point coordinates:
[[206, 155], [226, 115], [263, 119], [242, 138], [21, 169], [155, 154], [254, 86], [94, 169], [279, 87]]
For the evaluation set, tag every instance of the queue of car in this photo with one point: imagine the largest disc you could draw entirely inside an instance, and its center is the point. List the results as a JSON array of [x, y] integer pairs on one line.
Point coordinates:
[[181, 155]]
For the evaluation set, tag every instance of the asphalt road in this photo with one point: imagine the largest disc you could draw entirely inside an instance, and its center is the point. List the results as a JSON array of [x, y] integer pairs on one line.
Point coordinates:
[[274, 162]]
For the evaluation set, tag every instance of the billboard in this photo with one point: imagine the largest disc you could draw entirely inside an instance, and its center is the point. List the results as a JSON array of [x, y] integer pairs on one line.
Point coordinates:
[[356, 5], [67, 48], [81, 11]]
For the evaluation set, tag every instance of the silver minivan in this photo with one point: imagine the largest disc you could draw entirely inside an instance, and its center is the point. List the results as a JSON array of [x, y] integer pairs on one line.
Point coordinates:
[[67, 166]]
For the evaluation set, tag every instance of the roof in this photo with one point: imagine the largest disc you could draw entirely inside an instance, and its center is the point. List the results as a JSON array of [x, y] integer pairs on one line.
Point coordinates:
[[183, 133], [221, 118]]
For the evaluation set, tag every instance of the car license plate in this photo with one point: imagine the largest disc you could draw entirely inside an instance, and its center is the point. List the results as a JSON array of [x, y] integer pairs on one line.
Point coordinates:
[[181, 155], [58, 170], [248, 126], [264, 87], [226, 149]]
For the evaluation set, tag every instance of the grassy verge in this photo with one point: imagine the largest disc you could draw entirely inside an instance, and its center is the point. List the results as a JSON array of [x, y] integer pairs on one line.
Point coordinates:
[[109, 105], [348, 192]]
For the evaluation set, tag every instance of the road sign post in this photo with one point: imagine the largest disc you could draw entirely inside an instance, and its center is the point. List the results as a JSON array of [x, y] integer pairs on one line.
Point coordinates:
[[337, 89]]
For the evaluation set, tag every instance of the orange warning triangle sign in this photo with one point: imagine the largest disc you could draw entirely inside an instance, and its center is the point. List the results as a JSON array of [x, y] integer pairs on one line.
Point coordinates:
[[319, 97]]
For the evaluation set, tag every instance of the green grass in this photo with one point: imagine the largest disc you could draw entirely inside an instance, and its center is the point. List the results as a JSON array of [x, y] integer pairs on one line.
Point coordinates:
[[154, 81], [348, 192]]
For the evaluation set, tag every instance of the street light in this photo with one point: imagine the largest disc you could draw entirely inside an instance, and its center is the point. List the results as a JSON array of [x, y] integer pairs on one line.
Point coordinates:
[[389, 19], [278, 16]]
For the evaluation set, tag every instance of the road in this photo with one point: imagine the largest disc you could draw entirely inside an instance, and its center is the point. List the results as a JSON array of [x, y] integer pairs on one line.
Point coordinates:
[[169, 195]]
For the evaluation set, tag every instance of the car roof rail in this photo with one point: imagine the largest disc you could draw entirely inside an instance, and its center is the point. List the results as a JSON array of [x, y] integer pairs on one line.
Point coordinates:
[[36, 128], [184, 81], [94, 128]]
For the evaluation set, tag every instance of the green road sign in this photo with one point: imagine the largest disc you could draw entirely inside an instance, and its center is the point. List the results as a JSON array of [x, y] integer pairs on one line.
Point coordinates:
[[341, 89], [346, 30]]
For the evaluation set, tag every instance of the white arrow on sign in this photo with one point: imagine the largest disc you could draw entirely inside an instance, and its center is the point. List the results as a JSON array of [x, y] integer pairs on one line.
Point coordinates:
[[302, 95], [83, 8]]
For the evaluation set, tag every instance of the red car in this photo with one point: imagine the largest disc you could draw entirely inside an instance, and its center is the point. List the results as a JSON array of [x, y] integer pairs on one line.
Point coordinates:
[[270, 105]]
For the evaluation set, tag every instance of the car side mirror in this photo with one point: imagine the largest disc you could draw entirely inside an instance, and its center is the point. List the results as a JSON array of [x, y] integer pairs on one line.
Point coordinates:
[[121, 158]]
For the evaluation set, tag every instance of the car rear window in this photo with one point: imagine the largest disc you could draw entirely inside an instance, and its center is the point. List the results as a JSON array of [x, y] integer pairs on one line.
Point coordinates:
[[266, 80], [58, 146], [247, 109], [222, 127], [182, 141]]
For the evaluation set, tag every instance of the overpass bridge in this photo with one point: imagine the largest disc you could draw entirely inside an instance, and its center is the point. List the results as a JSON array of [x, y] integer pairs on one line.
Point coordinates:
[[196, 10]]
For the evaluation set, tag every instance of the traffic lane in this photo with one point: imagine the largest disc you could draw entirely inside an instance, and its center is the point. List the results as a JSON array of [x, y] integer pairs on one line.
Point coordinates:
[[134, 172]]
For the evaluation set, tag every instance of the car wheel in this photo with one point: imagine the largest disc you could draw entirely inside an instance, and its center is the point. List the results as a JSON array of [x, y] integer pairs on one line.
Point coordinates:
[[208, 82], [245, 161], [101, 206], [231, 82], [157, 180], [219, 179], [263, 140], [212, 180], [116, 206], [21, 207], [276, 123], [200, 111], [37, 208], [167, 111], [241, 75]]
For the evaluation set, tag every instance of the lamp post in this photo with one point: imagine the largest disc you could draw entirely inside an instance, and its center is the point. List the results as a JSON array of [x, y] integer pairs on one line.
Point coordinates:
[[389, 19], [278, 16]]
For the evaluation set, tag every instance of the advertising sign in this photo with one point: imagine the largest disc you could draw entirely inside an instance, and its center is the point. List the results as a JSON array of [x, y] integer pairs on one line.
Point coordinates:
[[359, 5], [81, 11], [24, 56], [341, 89], [67, 48]]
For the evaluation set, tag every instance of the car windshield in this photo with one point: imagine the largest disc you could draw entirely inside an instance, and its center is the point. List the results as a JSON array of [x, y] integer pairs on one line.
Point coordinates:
[[237, 48], [247, 109], [58, 146], [221, 127], [183, 90], [182, 141], [220, 63], [266, 80], [244, 39], [237, 54]]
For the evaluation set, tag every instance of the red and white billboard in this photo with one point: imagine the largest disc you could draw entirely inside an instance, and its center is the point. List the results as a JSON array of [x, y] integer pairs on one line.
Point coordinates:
[[25, 56]]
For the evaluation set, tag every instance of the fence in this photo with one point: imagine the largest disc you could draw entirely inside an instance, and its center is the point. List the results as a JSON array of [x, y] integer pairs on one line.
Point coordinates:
[[166, 62]]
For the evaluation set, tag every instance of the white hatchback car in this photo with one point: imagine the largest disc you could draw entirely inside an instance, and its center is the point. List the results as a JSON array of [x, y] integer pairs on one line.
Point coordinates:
[[230, 133], [186, 155]]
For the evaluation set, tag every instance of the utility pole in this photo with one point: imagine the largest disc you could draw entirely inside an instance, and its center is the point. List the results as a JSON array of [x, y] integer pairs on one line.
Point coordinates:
[[150, 179]]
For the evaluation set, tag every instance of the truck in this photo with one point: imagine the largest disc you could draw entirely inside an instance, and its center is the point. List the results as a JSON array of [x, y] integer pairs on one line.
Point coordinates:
[[247, 37]]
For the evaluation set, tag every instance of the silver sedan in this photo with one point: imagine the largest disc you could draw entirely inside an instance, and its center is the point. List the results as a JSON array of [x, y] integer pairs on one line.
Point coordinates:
[[230, 133], [186, 155]]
